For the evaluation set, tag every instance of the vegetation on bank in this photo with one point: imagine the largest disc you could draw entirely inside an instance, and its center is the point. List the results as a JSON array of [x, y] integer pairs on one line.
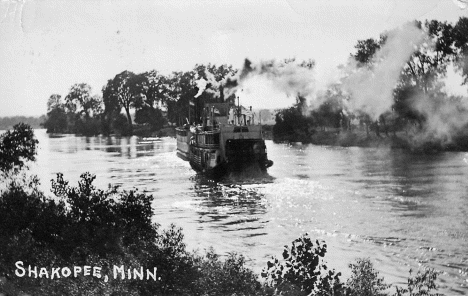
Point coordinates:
[[8, 122], [422, 116], [84, 226], [135, 103]]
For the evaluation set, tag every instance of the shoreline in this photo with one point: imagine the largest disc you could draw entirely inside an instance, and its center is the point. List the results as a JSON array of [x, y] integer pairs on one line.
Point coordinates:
[[412, 142], [400, 140]]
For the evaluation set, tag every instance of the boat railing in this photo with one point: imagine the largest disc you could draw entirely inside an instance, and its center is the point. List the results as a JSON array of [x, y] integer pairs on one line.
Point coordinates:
[[204, 145]]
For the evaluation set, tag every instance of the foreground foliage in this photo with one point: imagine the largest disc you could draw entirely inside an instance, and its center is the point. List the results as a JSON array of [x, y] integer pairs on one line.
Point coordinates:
[[85, 226], [303, 271], [17, 147]]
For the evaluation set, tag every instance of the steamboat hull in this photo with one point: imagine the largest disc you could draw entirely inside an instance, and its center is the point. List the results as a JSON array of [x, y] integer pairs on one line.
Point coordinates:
[[244, 153], [240, 155]]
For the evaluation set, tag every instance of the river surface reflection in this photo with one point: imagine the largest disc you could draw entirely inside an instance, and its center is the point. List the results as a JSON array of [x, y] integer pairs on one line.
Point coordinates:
[[400, 209]]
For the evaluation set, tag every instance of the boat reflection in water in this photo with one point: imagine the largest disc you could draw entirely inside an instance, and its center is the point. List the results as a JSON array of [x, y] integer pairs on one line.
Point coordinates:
[[227, 140]]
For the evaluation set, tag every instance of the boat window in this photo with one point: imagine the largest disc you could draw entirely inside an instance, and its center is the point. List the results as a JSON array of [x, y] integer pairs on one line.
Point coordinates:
[[238, 129]]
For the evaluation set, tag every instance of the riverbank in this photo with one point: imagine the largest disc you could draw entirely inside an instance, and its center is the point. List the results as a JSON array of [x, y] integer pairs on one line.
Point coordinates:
[[400, 140], [146, 131], [336, 137]]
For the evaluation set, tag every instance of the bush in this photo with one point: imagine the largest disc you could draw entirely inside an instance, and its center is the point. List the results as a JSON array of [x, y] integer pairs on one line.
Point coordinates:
[[364, 280], [16, 147], [83, 225], [421, 284], [292, 126], [56, 121], [302, 272], [120, 125], [88, 126], [230, 277]]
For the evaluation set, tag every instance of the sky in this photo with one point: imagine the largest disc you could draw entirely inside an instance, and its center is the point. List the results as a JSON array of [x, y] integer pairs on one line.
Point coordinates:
[[46, 46]]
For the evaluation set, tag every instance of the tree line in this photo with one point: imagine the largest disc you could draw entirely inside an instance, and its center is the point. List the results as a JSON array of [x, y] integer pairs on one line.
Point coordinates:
[[156, 99], [420, 103], [421, 113], [9, 122]]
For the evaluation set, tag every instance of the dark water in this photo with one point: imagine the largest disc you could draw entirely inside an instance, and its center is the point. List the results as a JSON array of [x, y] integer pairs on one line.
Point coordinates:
[[401, 210]]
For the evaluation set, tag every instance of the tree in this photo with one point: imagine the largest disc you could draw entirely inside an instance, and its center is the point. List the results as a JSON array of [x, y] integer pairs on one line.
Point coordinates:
[[461, 47], [154, 93], [302, 271], [366, 49], [56, 121], [213, 91], [16, 147], [151, 116], [79, 99], [429, 62], [182, 90], [403, 105], [215, 76], [122, 91], [365, 280], [83, 109], [291, 125], [77, 95], [154, 89], [54, 102], [111, 107], [422, 73], [330, 112], [124, 85], [93, 106]]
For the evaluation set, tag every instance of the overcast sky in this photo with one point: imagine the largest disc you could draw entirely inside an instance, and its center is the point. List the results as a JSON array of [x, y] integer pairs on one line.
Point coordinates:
[[48, 45]]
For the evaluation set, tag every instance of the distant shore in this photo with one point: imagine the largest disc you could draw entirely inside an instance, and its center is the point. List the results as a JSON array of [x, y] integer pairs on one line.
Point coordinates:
[[399, 140], [337, 137]]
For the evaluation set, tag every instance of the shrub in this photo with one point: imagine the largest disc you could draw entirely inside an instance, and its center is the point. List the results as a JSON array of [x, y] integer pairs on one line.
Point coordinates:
[[16, 147], [364, 280], [83, 225], [302, 271], [229, 277], [421, 284]]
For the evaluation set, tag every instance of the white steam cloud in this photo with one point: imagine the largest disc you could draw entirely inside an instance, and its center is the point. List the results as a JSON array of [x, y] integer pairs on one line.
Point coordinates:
[[462, 4], [445, 116], [276, 85], [371, 89], [361, 89], [272, 85], [201, 85]]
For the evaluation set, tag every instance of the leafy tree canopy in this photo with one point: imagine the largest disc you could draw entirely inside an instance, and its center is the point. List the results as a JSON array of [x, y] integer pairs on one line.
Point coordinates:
[[16, 147]]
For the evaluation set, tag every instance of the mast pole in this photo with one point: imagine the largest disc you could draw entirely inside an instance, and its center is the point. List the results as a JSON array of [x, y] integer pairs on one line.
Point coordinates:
[[238, 111]]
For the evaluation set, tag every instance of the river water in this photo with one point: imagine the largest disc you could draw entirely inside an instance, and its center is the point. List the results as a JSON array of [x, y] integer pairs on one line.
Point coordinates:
[[400, 209]]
